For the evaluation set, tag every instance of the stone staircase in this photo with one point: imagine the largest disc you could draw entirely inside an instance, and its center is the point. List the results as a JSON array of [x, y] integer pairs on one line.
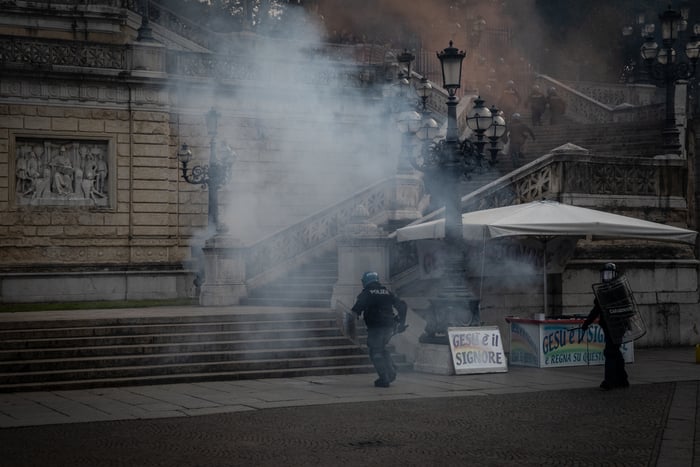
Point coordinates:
[[621, 139], [247, 344], [309, 286], [284, 329]]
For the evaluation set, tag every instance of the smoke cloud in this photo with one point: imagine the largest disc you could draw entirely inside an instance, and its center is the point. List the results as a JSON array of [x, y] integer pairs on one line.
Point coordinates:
[[304, 131]]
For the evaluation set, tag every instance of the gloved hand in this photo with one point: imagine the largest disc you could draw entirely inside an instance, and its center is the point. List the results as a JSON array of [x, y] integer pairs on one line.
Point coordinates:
[[584, 327]]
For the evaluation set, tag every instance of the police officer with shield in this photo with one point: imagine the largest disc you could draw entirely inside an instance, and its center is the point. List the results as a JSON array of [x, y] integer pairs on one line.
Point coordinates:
[[376, 303], [615, 374]]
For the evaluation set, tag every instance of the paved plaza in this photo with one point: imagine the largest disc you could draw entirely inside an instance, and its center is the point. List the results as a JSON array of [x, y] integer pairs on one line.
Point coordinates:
[[527, 416]]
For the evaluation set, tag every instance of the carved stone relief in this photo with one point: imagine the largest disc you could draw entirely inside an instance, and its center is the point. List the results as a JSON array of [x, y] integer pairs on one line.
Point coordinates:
[[55, 172]]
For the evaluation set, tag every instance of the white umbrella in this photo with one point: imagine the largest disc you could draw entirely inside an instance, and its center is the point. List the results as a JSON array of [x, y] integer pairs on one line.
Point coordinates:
[[546, 220]]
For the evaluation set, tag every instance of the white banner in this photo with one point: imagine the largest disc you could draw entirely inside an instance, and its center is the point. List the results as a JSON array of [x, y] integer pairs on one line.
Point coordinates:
[[477, 350]]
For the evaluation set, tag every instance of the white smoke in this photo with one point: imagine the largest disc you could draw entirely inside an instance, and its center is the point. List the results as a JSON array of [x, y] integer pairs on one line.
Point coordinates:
[[305, 132]]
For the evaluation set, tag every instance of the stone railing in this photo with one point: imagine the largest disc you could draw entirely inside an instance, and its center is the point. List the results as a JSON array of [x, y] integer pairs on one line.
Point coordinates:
[[243, 68], [315, 234], [75, 3], [571, 173], [21, 53], [630, 183], [585, 109], [614, 94], [159, 14], [645, 188], [38, 53]]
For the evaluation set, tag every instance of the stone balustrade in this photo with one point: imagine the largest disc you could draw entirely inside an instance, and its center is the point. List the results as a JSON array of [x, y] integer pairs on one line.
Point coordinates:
[[587, 108], [641, 187], [315, 233]]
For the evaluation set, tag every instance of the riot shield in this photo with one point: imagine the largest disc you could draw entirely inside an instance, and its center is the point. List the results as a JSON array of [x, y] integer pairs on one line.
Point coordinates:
[[620, 312]]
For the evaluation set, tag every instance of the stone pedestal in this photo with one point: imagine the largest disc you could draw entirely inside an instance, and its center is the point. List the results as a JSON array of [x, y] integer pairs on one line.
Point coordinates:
[[362, 247], [224, 272], [410, 197], [147, 57], [435, 359]]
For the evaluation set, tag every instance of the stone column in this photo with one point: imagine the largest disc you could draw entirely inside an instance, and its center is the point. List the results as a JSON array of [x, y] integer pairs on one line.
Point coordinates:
[[224, 272], [362, 246]]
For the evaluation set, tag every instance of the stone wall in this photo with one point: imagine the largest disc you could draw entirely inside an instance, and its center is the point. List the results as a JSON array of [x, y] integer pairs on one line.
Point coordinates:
[[666, 293], [122, 215], [89, 132]]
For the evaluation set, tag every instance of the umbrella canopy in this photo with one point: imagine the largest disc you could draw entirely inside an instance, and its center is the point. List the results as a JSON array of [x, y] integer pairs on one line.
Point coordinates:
[[548, 219]]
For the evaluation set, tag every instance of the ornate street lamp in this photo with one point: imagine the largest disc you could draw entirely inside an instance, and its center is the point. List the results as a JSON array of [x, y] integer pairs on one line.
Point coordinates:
[[495, 132], [428, 129], [424, 90], [212, 176], [631, 71], [450, 159], [451, 64], [447, 162], [665, 69], [405, 58], [479, 120], [145, 33]]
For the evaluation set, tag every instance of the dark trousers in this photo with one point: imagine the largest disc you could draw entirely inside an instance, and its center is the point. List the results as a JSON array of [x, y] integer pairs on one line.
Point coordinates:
[[615, 373], [377, 340]]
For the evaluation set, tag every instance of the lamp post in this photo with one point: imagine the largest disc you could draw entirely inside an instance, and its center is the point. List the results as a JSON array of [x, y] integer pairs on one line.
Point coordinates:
[[664, 68], [212, 176], [145, 33], [631, 71], [479, 120], [495, 132], [405, 59], [448, 161], [428, 129]]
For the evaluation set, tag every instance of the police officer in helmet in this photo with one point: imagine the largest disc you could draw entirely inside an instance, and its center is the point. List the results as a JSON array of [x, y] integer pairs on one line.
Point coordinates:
[[376, 303], [615, 374]]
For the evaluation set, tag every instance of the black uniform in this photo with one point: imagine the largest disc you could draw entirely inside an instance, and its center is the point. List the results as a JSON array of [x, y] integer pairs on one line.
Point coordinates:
[[517, 136], [615, 374], [557, 108], [378, 303], [537, 103]]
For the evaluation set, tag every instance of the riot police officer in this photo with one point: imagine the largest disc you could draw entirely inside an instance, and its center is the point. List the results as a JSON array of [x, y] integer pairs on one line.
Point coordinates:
[[557, 106], [376, 303], [615, 374], [537, 103], [518, 132]]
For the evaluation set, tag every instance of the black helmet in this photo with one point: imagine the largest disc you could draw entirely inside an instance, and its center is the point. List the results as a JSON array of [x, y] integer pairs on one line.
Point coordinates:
[[369, 277], [608, 273]]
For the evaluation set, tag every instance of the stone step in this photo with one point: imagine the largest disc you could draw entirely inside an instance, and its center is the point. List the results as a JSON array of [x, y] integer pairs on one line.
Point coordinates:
[[286, 301], [334, 339], [242, 314], [93, 353], [293, 293], [96, 330], [186, 378], [310, 285], [182, 359], [100, 372], [145, 339]]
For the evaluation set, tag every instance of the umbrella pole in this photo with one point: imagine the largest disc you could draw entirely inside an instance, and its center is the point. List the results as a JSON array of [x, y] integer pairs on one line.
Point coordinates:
[[483, 261], [544, 277]]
